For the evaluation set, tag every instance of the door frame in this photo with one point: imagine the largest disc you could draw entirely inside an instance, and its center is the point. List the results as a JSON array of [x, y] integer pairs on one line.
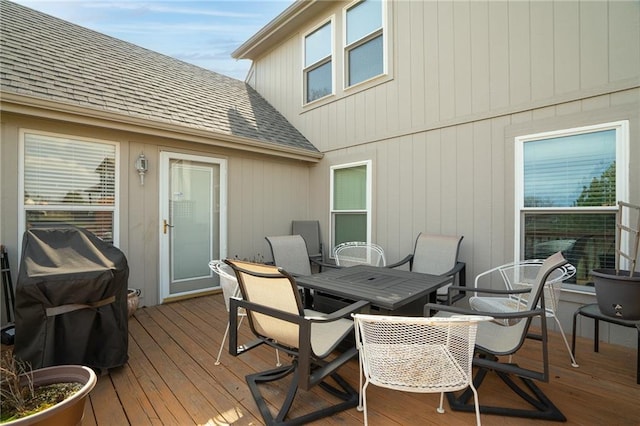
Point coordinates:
[[163, 209]]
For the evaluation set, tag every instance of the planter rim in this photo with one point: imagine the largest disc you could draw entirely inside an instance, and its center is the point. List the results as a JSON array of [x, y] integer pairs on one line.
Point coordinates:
[[611, 274], [57, 374]]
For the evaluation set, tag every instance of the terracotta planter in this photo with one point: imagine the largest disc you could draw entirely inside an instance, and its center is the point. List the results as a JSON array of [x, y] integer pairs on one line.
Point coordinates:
[[68, 412], [618, 295]]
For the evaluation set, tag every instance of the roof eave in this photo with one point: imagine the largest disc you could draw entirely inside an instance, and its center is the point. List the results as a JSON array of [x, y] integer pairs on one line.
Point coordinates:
[[279, 28], [45, 108]]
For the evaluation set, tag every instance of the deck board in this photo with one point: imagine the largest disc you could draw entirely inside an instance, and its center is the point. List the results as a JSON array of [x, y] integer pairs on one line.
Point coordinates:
[[171, 379]]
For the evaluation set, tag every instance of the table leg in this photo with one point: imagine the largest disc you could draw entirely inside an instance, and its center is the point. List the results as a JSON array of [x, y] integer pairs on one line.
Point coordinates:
[[573, 337], [596, 333]]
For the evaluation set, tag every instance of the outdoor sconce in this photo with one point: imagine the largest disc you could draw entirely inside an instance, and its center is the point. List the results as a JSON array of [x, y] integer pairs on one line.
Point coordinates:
[[142, 165]]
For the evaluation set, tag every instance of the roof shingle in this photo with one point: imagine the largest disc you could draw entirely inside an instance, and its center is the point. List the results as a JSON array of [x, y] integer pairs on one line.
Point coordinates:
[[48, 58]]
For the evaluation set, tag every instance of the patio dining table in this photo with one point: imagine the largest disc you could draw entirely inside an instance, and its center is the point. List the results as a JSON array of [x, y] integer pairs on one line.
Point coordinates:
[[390, 291]]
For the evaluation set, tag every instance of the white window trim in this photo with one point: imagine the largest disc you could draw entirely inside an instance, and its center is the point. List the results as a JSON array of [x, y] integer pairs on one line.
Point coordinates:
[[332, 57], [346, 47], [21, 205], [622, 176], [369, 202]]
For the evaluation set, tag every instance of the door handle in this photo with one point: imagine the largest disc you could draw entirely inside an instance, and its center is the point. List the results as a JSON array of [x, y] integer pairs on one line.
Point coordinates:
[[166, 225]]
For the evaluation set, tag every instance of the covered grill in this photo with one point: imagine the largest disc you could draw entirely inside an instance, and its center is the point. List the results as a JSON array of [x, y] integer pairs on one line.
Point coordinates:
[[71, 299]]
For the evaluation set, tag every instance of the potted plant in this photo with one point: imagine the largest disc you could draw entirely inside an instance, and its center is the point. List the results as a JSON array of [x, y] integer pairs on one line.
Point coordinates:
[[51, 395], [617, 290]]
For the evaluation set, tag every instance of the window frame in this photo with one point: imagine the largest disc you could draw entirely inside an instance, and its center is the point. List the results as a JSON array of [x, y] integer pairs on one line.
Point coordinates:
[[22, 207], [622, 183], [348, 47], [320, 62], [368, 202]]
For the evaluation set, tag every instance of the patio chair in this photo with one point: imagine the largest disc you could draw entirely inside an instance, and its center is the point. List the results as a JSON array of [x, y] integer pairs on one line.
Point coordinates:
[[500, 338], [359, 253], [277, 318], [290, 253], [522, 274], [438, 255], [229, 285], [414, 354], [310, 231]]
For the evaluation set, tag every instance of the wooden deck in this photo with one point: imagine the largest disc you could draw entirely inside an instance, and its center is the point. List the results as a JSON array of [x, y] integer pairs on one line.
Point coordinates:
[[171, 379]]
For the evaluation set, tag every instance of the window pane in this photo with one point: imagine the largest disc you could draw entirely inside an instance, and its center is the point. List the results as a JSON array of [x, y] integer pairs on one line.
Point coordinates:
[[350, 189], [587, 240], [350, 227], [60, 171], [319, 82], [317, 45], [363, 19], [365, 61], [98, 222], [570, 171]]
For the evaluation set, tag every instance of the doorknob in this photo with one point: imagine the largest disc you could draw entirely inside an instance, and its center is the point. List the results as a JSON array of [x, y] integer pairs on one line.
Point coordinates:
[[166, 225]]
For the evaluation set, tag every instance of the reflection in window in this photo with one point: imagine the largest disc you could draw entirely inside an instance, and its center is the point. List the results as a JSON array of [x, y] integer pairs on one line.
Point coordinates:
[[568, 191], [69, 181], [318, 63], [364, 46]]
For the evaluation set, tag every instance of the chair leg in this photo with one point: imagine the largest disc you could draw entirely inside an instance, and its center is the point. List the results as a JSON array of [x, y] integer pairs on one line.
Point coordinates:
[[347, 394], [542, 407], [224, 339], [440, 408], [566, 343]]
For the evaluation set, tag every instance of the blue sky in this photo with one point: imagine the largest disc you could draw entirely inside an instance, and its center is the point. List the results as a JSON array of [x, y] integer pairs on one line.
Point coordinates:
[[202, 32]]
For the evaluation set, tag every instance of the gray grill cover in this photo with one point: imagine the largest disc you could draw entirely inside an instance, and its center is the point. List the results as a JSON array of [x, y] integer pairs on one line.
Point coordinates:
[[71, 300]]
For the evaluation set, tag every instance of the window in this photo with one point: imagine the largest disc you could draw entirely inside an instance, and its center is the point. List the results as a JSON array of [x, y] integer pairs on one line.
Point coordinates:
[[568, 184], [318, 69], [364, 45], [351, 203], [72, 181]]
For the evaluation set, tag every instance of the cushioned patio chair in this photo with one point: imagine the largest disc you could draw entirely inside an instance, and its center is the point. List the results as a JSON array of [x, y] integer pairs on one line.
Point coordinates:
[[359, 253], [438, 255], [414, 354], [522, 274], [230, 288], [277, 318], [504, 336]]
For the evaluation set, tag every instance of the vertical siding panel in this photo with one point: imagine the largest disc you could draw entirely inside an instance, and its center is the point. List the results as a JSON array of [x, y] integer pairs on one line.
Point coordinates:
[[431, 55], [371, 100], [434, 189], [567, 47], [624, 26], [382, 111], [519, 53], [465, 174], [542, 60], [462, 58], [449, 176], [446, 62], [480, 73], [483, 197], [417, 64], [594, 30], [499, 54], [419, 193], [403, 66]]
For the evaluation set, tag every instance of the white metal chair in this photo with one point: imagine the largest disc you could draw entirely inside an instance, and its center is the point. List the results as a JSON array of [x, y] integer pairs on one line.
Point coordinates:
[[415, 354], [230, 288], [359, 253], [519, 275]]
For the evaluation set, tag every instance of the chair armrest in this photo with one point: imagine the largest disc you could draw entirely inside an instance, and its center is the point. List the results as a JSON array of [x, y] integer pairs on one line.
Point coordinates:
[[491, 290], [322, 264], [341, 313], [429, 307], [409, 258]]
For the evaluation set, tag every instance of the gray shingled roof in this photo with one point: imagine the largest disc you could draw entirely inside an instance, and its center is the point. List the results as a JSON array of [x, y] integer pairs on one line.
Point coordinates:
[[48, 58]]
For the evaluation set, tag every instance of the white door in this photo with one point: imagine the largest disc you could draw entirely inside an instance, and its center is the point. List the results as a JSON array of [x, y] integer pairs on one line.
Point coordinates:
[[193, 197]]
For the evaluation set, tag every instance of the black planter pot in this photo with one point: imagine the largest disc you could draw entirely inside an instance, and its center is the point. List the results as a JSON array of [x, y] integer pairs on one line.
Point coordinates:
[[618, 295]]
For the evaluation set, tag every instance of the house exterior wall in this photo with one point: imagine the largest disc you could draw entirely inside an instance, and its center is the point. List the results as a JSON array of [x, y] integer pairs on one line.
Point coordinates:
[[264, 195], [465, 78]]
